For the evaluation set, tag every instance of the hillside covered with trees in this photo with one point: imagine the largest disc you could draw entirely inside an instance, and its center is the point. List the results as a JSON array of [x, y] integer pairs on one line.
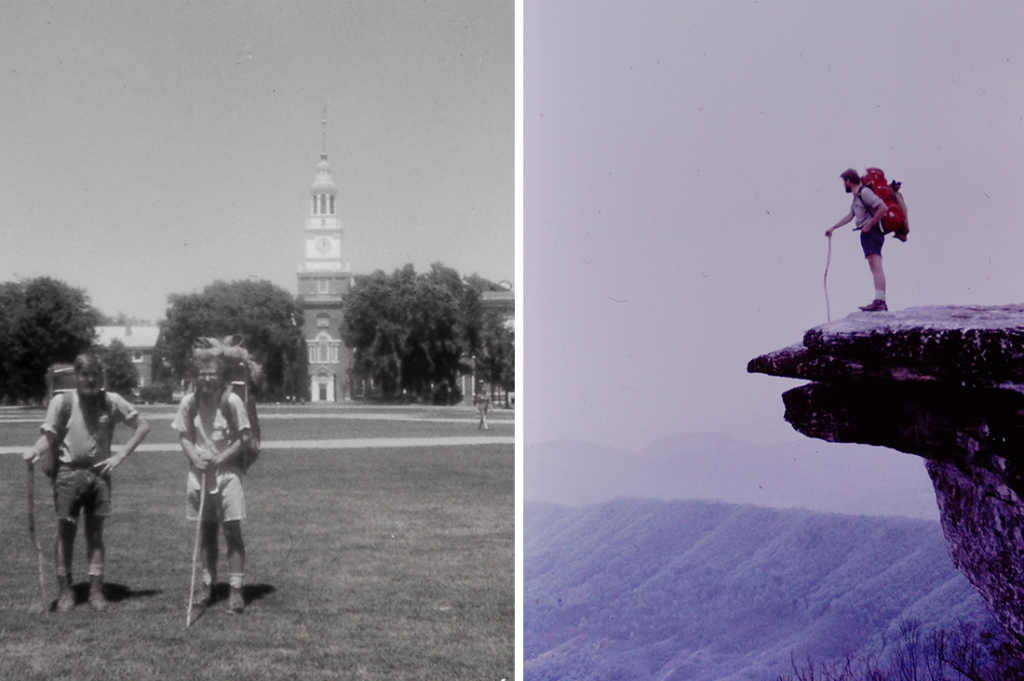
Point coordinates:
[[701, 590]]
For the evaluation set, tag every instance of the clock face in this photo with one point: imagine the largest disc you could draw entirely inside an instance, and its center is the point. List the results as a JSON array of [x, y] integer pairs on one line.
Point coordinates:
[[323, 245]]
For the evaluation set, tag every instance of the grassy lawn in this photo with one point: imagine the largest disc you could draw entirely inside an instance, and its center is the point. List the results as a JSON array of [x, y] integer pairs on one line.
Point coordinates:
[[21, 427], [362, 564]]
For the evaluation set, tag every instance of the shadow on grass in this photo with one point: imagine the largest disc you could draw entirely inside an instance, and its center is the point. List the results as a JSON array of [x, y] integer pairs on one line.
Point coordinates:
[[250, 592], [221, 591], [115, 593]]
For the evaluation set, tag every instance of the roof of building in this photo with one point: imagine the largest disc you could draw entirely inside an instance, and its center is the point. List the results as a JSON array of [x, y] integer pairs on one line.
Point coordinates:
[[323, 182], [133, 337], [499, 300]]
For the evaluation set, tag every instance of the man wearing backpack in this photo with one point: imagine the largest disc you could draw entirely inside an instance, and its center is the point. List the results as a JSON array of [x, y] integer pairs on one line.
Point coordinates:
[[214, 432], [867, 210], [77, 434]]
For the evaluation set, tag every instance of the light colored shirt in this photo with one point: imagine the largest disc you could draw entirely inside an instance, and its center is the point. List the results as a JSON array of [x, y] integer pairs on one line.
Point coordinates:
[[89, 432], [217, 436], [866, 206]]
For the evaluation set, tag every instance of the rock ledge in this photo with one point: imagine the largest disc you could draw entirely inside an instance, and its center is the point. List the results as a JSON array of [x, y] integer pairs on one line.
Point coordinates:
[[943, 383]]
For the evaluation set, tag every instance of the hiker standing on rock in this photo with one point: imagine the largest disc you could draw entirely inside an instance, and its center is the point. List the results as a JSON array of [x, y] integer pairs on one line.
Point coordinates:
[[76, 452], [867, 210]]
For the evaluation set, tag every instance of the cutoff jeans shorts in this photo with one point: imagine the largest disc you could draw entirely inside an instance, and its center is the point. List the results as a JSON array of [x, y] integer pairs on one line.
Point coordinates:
[[78, 489], [872, 241]]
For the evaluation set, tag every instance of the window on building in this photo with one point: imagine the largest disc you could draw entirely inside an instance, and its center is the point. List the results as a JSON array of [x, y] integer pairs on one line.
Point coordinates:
[[137, 356], [323, 203], [314, 205], [323, 286], [323, 320], [332, 204], [323, 349]]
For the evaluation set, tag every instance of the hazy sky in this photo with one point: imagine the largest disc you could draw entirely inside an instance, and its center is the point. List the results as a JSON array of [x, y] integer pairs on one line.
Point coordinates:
[[149, 148], [682, 163]]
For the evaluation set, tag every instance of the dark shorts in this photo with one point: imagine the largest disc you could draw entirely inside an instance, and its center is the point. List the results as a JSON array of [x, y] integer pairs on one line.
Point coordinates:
[[78, 489], [872, 241]]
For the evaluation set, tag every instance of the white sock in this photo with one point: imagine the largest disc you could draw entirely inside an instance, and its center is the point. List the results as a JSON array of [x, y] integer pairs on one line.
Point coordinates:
[[879, 295]]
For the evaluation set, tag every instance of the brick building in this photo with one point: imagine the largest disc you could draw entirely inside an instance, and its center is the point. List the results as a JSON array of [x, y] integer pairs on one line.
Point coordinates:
[[323, 281]]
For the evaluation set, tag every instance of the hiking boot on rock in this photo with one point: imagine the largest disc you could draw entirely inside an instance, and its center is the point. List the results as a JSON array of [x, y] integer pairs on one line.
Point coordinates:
[[236, 603], [876, 306]]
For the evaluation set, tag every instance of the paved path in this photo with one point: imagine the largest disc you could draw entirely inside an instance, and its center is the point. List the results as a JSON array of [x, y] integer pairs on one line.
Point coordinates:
[[502, 425], [169, 416], [352, 443]]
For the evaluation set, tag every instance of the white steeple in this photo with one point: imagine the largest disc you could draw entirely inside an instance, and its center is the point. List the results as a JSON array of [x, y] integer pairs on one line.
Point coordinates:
[[323, 228]]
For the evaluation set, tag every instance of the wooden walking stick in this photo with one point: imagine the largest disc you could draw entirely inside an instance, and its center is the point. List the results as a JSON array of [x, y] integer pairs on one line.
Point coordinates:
[[32, 533], [195, 551]]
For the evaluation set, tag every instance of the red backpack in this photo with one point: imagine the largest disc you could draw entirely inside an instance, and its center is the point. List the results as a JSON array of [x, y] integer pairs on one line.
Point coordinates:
[[895, 220]]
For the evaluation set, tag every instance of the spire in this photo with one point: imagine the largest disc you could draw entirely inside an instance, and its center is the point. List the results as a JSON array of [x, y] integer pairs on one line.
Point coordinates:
[[324, 184], [323, 141]]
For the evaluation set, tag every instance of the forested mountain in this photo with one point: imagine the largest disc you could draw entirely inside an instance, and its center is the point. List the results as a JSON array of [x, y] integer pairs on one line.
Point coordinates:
[[674, 590]]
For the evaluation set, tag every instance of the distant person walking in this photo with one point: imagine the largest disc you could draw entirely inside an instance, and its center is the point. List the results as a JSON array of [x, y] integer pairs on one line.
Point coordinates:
[[213, 429], [77, 431], [483, 405], [867, 210]]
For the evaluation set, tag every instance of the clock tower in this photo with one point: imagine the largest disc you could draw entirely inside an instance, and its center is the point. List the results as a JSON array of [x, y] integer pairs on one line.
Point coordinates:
[[324, 279]]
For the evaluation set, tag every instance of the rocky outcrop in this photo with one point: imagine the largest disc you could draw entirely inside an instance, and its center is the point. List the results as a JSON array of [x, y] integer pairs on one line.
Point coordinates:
[[946, 384]]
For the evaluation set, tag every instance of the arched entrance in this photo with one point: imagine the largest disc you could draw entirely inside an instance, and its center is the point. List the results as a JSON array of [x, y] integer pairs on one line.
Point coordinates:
[[322, 386]]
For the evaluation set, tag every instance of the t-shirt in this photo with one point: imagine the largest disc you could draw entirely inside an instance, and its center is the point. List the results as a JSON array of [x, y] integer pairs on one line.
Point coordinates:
[[866, 206], [221, 435], [89, 431]]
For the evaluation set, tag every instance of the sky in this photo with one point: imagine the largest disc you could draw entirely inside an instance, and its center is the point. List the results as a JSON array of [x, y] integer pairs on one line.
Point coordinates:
[[152, 148], [681, 166]]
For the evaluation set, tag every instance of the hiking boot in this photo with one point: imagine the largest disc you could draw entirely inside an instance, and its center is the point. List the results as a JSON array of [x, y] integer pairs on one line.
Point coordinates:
[[97, 600], [236, 603], [66, 595], [203, 597], [876, 306], [66, 601]]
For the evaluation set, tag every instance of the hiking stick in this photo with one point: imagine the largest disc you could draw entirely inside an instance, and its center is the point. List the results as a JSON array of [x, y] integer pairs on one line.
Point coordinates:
[[828, 309], [195, 551], [32, 532]]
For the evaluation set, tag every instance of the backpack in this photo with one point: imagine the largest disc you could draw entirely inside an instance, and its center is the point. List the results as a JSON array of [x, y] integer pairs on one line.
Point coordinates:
[[51, 456], [242, 372], [895, 220]]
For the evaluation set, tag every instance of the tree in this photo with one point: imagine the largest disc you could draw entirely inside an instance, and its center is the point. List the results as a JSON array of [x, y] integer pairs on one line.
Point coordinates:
[[122, 378], [491, 338], [378, 326], [958, 654], [122, 319], [42, 321], [411, 332], [440, 333], [496, 361], [267, 316]]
